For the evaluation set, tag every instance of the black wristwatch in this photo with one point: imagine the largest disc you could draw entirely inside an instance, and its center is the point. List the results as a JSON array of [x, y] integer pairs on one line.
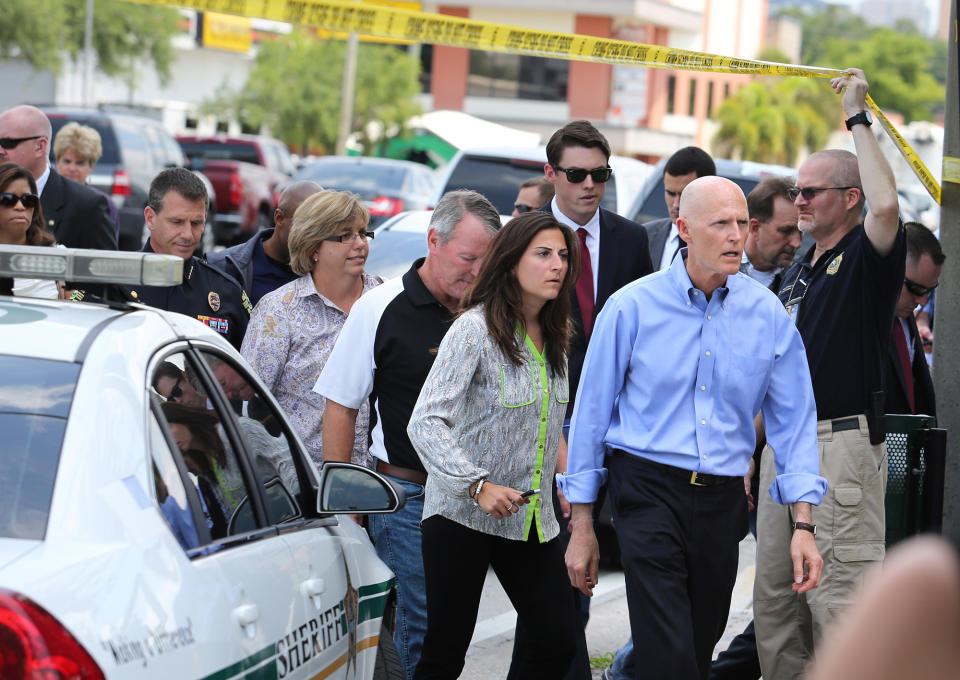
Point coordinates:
[[863, 118], [812, 528]]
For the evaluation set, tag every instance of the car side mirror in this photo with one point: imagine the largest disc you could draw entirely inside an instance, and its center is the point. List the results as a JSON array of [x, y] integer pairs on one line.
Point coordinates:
[[354, 489]]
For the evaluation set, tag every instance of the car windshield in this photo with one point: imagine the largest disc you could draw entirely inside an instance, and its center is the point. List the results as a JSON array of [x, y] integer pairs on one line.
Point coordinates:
[[499, 180], [231, 151], [366, 179], [654, 206], [35, 397]]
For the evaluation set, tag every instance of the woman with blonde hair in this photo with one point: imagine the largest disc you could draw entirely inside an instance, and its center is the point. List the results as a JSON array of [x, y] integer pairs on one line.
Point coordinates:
[[77, 148], [293, 329]]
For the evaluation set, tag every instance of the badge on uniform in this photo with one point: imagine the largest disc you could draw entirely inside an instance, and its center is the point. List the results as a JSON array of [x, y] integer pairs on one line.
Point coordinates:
[[835, 265], [245, 301], [219, 325], [213, 299]]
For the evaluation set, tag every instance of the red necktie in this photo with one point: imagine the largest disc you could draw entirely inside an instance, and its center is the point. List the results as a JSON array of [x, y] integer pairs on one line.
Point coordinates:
[[585, 285], [900, 340]]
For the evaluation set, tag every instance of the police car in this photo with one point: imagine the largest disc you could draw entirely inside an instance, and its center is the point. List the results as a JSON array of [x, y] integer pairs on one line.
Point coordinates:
[[159, 518]]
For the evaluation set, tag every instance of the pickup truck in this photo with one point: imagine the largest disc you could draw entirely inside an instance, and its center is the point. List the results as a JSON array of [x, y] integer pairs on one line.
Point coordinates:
[[247, 172]]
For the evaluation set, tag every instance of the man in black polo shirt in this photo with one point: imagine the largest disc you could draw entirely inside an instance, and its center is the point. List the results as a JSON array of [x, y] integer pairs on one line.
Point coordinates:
[[383, 355], [842, 295]]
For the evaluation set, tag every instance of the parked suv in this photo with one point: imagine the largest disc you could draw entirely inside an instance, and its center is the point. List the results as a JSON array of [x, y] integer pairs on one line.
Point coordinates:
[[135, 149]]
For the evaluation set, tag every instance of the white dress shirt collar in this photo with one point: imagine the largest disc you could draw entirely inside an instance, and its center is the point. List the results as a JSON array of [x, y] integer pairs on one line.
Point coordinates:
[[42, 180]]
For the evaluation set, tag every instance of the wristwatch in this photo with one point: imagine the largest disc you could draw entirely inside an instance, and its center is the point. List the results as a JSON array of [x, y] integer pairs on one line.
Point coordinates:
[[812, 528], [863, 118]]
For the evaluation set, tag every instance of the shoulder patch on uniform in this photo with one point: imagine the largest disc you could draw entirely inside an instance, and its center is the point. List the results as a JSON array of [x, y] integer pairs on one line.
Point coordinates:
[[245, 300], [834, 266], [213, 299]]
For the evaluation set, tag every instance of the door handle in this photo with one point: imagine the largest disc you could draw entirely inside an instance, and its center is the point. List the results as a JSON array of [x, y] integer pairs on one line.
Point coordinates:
[[313, 588], [246, 616]]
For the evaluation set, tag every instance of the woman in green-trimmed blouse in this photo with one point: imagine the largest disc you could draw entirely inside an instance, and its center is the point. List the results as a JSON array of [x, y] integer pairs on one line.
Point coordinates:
[[488, 427]]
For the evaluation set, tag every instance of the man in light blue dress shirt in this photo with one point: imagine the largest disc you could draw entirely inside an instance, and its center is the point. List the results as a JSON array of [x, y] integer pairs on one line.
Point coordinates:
[[681, 362]]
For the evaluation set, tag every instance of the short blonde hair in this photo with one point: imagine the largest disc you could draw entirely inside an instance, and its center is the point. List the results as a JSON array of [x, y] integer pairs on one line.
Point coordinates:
[[82, 139], [325, 213]]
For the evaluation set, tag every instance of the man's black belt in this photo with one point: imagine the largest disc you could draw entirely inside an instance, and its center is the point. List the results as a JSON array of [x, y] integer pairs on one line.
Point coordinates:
[[693, 477], [844, 424]]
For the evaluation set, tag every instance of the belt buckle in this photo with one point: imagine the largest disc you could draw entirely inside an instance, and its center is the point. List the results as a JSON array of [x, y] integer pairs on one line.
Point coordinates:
[[693, 479]]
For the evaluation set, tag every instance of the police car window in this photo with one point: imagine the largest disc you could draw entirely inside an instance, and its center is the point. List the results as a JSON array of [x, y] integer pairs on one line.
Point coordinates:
[[264, 438], [35, 398], [196, 428], [170, 493]]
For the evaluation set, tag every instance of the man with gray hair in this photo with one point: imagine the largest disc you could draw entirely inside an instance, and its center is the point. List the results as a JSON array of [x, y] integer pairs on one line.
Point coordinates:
[[383, 355], [75, 214], [176, 213], [262, 263]]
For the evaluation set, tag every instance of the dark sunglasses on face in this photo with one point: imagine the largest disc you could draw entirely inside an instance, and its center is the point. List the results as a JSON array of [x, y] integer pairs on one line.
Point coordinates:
[[522, 207], [14, 142], [577, 175], [917, 289], [177, 391], [349, 238], [809, 193], [8, 200]]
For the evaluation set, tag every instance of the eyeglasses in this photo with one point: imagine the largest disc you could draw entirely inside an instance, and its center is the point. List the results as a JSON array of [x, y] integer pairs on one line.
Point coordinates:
[[177, 391], [350, 237], [809, 193], [523, 207], [917, 289], [577, 175], [8, 200], [14, 142]]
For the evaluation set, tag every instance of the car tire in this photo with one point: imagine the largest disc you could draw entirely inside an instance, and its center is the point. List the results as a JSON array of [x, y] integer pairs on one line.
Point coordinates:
[[388, 665]]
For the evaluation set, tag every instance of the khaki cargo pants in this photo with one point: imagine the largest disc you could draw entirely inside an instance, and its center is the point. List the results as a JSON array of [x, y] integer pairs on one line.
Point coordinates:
[[850, 537]]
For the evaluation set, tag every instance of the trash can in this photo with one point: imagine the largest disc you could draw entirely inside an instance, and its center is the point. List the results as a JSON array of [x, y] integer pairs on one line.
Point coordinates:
[[915, 469]]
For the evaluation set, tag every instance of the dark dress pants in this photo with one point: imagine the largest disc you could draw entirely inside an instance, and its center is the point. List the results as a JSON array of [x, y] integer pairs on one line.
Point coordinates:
[[455, 561], [679, 545]]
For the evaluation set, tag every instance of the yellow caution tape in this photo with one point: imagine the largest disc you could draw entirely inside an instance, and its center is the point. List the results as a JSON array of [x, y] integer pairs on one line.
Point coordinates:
[[951, 169], [451, 31]]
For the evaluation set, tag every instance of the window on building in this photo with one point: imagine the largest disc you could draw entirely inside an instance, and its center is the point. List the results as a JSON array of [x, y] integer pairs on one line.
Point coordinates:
[[515, 76], [709, 99], [692, 98], [671, 92], [426, 67]]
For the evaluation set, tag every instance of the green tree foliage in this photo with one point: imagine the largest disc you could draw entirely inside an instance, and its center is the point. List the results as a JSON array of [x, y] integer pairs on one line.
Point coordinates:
[[771, 120], [294, 89], [832, 21], [39, 31]]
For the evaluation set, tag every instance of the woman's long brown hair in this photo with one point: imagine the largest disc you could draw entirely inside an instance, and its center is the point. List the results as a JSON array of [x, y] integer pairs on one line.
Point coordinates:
[[37, 234], [497, 289]]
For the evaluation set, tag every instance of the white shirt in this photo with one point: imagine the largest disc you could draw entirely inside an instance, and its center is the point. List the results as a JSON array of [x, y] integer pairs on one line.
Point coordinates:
[[766, 278], [592, 240], [42, 180], [670, 247], [906, 334]]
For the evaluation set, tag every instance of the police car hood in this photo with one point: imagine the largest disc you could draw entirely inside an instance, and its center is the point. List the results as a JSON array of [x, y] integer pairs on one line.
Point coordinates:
[[12, 549]]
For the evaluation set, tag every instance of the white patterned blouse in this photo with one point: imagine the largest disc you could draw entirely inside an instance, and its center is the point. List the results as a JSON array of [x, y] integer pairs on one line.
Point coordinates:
[[481, 416]]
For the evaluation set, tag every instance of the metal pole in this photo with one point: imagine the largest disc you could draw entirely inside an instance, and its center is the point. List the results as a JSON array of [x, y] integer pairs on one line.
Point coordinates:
[[346, 97], [88, 56], [946, 348]]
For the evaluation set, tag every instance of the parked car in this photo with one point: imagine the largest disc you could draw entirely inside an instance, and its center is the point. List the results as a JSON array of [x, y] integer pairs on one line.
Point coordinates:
[[498, 172], [135, 149], [149, 530], [386, 186], [649, 204], [247, 171]]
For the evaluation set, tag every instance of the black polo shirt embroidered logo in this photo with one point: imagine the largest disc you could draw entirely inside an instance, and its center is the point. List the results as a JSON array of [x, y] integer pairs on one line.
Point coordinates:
[[834, 266]]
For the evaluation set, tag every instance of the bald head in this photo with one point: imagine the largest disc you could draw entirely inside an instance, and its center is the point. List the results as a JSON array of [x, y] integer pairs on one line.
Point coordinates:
[[30, 125], [704, 193], [291, 199]]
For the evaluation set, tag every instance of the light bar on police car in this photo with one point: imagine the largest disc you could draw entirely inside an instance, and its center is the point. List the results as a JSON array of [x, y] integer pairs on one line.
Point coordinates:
[[90, 266]]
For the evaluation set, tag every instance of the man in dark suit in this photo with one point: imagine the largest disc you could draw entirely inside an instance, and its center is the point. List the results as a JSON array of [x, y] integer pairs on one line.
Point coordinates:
[[613, 252], [681, 168], [909, 386], [76, 215]]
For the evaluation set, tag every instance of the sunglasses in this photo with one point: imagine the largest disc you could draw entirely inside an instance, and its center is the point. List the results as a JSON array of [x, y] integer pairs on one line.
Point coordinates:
[[14, 142], [177, 391], [522, 207], [8, 200], [349, 238], [577, 175], [809, 193], [917, 289]]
